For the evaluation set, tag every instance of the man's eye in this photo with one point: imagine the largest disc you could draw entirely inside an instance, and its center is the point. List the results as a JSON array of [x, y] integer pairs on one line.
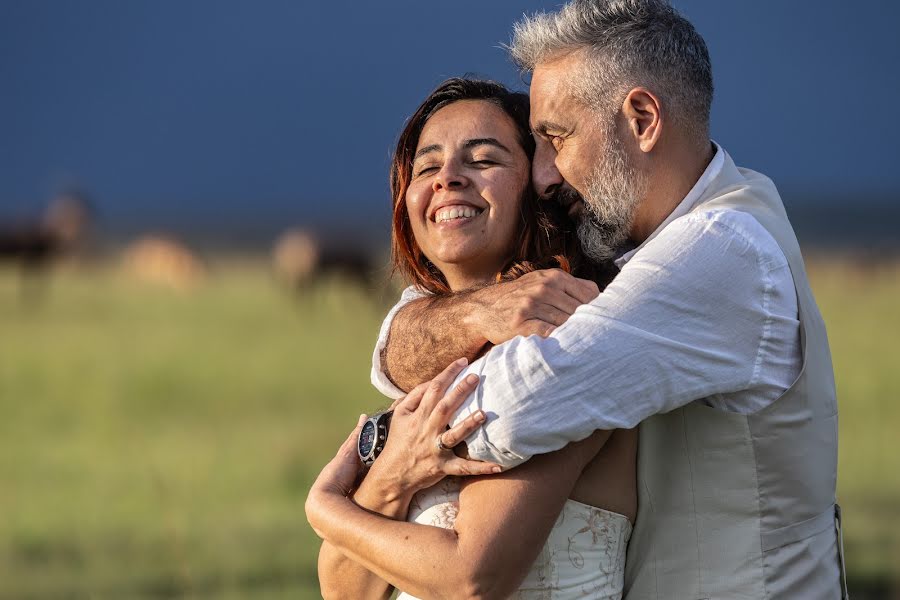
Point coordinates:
[[484, 162], [556, 141]]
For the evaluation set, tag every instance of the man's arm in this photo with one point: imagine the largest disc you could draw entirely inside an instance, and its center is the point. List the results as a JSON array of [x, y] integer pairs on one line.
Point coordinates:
[[687, 318], [427, 334]]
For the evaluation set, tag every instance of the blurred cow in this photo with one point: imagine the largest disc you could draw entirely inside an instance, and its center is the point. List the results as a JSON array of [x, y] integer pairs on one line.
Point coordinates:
[[295, 257], [34, 245], [299, 259], [59, 232], [163, 261]]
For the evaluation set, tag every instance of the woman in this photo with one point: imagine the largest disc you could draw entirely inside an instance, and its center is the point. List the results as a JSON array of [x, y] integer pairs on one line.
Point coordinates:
[[465, 216]]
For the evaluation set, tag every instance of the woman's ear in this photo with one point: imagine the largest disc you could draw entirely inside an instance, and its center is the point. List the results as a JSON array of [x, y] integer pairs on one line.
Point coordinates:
[[643, 114]]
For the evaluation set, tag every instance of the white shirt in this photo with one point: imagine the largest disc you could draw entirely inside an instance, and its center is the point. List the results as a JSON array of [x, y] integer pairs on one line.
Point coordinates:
[[704, 309]]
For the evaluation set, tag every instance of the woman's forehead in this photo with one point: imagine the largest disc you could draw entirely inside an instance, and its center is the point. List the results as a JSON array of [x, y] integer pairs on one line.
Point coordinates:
[[468, 119]]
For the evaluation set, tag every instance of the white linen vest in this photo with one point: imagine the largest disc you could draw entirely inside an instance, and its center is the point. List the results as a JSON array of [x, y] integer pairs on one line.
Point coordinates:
[[743, 506]]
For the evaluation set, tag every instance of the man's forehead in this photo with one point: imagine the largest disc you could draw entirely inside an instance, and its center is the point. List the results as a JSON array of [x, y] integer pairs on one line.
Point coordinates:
[[546, 83], [550, 93]]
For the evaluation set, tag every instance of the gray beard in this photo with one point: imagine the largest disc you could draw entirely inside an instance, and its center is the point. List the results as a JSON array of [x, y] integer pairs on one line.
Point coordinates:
[[613, 193], [598, 243]]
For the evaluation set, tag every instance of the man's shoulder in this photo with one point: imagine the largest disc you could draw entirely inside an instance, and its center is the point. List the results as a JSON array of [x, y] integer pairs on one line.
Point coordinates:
[[721, 232]]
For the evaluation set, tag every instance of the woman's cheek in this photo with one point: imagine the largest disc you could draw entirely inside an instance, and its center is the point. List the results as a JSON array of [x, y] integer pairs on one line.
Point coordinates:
[[416, 204]]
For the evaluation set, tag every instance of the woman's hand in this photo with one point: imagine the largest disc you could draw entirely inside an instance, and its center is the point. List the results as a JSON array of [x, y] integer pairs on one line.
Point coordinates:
[[412, 458], [337, 478], [340, 474]]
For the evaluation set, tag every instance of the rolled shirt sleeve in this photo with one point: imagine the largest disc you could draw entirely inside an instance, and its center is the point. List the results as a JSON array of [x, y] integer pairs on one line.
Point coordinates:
[[688, 317]]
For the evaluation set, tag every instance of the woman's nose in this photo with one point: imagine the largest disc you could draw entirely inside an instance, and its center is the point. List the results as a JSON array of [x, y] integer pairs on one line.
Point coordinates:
[[544, 174], [449, 177]]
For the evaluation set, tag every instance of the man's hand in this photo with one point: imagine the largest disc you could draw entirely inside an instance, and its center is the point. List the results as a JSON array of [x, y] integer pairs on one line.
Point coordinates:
[[536, 303], [429, 333]]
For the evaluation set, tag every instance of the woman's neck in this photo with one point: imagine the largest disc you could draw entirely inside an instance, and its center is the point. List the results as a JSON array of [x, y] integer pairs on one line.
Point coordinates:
[[459, 279]]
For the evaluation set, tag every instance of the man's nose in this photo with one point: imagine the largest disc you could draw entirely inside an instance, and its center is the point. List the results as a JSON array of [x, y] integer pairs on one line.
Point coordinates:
[[449, 177], [544, 174]]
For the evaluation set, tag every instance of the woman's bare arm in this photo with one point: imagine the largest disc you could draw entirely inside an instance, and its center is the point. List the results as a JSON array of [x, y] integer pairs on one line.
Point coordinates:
[[387, 490], [487, 554], [429, 333], [342, 577]]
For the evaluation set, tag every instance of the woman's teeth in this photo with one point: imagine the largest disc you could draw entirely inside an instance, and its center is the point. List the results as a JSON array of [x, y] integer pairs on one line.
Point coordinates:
[[455, 212]]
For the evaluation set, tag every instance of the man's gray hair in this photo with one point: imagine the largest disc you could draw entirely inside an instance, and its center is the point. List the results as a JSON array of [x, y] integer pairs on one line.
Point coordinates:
[[626, 43]]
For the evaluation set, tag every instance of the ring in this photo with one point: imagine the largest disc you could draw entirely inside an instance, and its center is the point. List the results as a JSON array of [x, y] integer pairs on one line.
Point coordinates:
[[440, 443]]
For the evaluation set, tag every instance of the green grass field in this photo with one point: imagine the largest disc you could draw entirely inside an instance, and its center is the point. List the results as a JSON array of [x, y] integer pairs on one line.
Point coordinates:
[[160, 444]]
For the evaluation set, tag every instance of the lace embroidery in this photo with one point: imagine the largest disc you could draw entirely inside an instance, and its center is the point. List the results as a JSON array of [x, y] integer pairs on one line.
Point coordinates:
[[584, 556]]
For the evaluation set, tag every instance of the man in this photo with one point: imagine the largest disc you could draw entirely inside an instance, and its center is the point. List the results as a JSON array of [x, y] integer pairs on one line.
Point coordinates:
[[709, 336]]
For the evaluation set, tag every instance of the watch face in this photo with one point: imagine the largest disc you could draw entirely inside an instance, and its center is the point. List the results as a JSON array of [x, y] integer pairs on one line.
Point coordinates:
[[367, 439]]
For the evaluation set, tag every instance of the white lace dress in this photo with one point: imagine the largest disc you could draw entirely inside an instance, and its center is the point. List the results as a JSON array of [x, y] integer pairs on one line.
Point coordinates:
[[584, 557]]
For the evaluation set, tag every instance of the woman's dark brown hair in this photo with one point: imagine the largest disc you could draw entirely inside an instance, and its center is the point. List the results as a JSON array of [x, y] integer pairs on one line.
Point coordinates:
[[544, 239]]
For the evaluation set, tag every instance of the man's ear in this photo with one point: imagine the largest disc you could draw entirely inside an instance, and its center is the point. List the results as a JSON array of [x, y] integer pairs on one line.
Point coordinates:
[[643, 114]]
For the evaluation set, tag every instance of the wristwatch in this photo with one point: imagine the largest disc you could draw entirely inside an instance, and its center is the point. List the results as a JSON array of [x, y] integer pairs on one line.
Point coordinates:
[[372, 437]]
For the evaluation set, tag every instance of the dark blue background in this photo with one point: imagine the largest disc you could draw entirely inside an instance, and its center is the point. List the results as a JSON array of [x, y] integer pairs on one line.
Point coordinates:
[[246, 116]]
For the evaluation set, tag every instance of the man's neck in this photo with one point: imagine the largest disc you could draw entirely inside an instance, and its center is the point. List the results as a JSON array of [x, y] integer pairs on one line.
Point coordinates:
[[667, 187]]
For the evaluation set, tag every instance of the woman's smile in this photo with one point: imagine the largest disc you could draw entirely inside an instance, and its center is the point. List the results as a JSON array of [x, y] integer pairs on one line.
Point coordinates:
[[456, 214]]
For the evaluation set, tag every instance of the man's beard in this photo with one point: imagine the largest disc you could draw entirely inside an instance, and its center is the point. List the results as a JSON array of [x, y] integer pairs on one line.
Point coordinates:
[[612, 193]]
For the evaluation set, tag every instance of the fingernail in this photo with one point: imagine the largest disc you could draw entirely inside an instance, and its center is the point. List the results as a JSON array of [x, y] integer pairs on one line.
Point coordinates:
[[496, 470], [463, 361], [471, 378], [361, 420], [479, 416]]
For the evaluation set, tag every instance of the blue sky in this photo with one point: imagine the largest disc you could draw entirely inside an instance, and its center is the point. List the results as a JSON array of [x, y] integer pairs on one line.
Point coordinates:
[[240, 114]]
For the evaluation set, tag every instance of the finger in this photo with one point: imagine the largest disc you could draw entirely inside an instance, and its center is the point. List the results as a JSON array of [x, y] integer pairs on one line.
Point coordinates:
[[550, 314], [451, 401], [411, 401], [559, 299], [582, 290], [462, 467], [350, 443], [463, 429], [437, 387], [536, 327]]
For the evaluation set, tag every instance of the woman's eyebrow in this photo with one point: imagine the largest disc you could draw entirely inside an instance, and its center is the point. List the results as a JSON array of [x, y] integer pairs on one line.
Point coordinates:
[[427, 149], [485, 142]]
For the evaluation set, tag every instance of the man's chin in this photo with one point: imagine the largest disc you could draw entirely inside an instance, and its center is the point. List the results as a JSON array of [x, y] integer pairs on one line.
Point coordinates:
[[595, 240]]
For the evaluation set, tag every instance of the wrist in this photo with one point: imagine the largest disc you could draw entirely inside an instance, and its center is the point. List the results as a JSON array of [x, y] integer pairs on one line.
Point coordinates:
[[384, 487], [471, 315]]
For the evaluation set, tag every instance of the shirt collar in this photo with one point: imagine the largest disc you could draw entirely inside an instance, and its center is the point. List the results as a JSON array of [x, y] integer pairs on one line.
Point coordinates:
[[711, 172]]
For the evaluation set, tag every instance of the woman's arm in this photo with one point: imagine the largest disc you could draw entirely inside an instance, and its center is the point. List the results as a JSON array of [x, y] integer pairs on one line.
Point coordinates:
[[489, 551], [341, 577]]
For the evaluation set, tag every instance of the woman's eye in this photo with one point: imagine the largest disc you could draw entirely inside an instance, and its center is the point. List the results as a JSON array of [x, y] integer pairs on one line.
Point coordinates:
[[425, 170]]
